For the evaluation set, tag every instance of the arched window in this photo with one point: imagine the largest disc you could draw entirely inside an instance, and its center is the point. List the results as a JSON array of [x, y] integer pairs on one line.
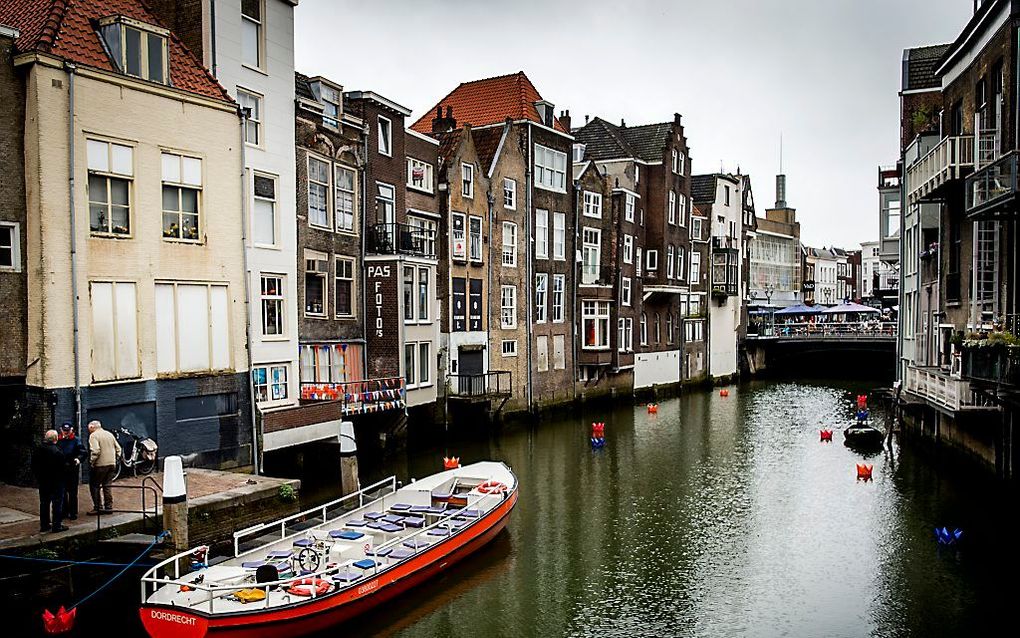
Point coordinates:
[[658, 329], [669, 327], [644, 329]]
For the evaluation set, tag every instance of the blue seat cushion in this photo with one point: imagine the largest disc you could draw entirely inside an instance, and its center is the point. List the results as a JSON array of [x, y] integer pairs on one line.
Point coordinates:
[[400, 507], [390, 527], [304, 542], [456, 524], [380, 552], [346, 534], [437, 509], [392, 518], [416, 543], [414, 521], [420, 508], [465, 513], [376, 525], [374, 516], [438, 531], [346, 577], [356, 522], [364, 563], [280, 554], [253, 564], [283, 567], [400, 554]]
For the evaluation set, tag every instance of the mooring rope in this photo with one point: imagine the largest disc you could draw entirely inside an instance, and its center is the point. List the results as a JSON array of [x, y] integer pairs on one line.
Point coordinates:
[[94, 563], [145, 551]]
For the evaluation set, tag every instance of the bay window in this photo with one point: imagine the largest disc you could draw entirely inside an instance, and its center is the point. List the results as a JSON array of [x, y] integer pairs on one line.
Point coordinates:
[[595, 324], [269, 383]]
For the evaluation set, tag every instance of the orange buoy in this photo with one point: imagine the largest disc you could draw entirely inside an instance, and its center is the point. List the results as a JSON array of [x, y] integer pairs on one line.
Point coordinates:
[[653, 408], [451, 463], [724, 392], [864, 472]]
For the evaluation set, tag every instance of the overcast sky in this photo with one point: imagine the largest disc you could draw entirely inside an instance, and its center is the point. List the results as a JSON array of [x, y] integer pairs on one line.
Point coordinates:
[[824, 73]]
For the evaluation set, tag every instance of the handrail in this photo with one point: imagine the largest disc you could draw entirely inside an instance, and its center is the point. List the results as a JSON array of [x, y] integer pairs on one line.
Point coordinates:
[[143, 487], [937, 165]]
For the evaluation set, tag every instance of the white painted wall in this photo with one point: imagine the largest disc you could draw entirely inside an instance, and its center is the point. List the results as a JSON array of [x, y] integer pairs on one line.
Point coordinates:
[[725, 318], [656, 368]]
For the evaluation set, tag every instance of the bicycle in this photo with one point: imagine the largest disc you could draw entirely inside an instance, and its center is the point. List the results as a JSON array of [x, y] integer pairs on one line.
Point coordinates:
[[140, 455]]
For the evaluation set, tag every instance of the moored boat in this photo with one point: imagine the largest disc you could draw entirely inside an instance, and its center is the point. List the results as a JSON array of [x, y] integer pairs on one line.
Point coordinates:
[[863, 436], [312, 570]]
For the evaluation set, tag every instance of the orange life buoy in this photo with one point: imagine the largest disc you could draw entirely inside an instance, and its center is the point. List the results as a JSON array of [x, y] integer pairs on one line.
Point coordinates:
[[309, 586], [492, 487]]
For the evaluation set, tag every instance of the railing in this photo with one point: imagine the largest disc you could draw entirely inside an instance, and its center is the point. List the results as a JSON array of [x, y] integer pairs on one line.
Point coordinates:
[[939, 388], [358, 397], [1000, 366], [867, 330], [147, 486], [943, 163], [480, 385], [401, 239], [992, 185], [724, 243]]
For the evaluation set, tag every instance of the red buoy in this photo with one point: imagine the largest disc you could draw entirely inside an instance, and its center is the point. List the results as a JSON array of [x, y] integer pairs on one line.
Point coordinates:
[[826, 435], [864, 472], [724, 392], [653, 408], [451, 463], [59, 623]]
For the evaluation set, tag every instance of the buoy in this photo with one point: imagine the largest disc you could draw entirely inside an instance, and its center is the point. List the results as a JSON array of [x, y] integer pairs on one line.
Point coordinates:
[[597, 443], [653, 408], [826, 435], [945, 537], [864, 472], [598, 430], [724, 392], [59, 623], [451, 463], [862, 402], [862, 415]]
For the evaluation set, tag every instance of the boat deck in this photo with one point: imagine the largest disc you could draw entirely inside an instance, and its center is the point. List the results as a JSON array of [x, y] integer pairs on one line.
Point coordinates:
[[343, 550]]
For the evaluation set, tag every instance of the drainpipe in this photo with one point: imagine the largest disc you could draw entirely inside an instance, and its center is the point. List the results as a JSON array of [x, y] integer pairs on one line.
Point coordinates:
[[71, 68], [256, 457], [212, 35], [530, 252], [573, 289], [363, 227], [491, 199]]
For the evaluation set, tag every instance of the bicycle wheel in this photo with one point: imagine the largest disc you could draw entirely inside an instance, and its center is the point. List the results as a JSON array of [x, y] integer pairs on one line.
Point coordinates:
[[146, 467], [116, 472]]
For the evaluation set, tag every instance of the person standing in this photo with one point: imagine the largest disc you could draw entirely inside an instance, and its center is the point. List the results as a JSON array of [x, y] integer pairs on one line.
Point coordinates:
[[48, 465], [74, 453], [104, 454]]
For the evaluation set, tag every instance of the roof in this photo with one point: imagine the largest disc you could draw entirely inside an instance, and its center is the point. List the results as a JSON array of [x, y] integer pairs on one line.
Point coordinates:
[[489, 101], [919, 66], [703, 188], [303, 87], [486, 143], [448, 143], [604, 141], [64, 28]]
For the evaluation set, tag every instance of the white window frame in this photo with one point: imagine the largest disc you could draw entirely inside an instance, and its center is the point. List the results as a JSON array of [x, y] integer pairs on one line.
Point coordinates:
[[257, 199], [591, 244], [638, 262], [410, 365], [467, 180], [326, 187], [279, 299], [681, 262], [115, 338], [337, 199], [541, 233], [549, 175], [427, 179], [259, 23], [625, 291], [559, 236], [651, 260], [508, 307], [684, 209], [181, 331], [628, 208], [592, 204], [509, 253], [146, 32], [508, 347], [350, 261], [509, 194], [598, 313], [14, 248], [672, 207], [271, 383], [424, 361], [558, 294], [181, 183], [423, 293], [312, 255], [644, 329], [475, 238], [541, 296], [669, 261], [384, 131], [253, 123], [696, 228], [101, 163], [628, 249], [462, 252]]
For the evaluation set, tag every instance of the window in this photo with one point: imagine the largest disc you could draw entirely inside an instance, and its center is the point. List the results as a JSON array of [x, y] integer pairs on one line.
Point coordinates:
[[628, 249], [550, 169], [424, 363], [541, 234], [182, 185], [318, 192], [678, 162], [591, 254], [696, 228], [628, 208], [346, 184], [644, 329], [180, 307], [137, 52], [672, 207], [637, 260], [475, 303], [637, 174], [595, 324], [316, 271], [251, 32], [621, 336], [683, 210], [10, 247], [630, 335], [669, 262], [578, 155], [557, 298], [419, 175], [695, 267], [253, 123], [269, 383], [272, 305], [343, 289], [541, 290], [509, 244], [458, 287], [658, 333], [331, 105], [592, 204], [467, 180], [508, 307], [114, 331], [651, 260], [385, 136], [681, 262], [475, 238], [384, 204], [423, 234], [542, 353], [458, 235], [625, 291], [508, 347], [559, 236], [264, 214], [423, 293], [669, 327], [408, 293], [110, 172], [509, 194], [727, 195], [410, 351]]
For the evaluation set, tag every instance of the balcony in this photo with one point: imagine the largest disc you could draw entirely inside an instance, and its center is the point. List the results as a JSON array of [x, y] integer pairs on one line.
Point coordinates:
[[401, 239], [358, 397], [999, 366], [939, 389], [598, 275], [483, 385], [948, 161], [992, 190], [724, 243]]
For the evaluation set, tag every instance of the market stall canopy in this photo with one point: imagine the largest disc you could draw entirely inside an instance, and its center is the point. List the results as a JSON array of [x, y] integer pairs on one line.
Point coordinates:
[[799, 309], [852, 308]]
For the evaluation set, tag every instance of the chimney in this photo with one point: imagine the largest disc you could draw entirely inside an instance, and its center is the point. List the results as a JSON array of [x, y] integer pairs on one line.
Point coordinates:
[[676, 119], [565, 119], [623, 123], [442, 124], [586, 118], [781, 191]]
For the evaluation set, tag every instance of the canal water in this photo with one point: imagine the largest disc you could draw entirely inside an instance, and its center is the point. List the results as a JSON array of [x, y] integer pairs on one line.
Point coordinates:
[[718, 516]]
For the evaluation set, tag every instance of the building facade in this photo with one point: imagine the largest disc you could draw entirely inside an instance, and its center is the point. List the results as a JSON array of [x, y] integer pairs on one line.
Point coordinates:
[[776, 272]]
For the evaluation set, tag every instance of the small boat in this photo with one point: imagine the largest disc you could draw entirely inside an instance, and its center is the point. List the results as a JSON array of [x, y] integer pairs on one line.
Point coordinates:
[[861, 435], [315, 569]]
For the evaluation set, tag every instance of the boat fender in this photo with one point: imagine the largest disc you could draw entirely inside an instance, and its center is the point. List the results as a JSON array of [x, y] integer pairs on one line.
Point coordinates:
[[492, 487], [309, 587]]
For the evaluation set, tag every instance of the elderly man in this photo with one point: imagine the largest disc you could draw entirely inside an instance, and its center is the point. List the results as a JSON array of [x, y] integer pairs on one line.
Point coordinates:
[[104, 454], [49, 465]]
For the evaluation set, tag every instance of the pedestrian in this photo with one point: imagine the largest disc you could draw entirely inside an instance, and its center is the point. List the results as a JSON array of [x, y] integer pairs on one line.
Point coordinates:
[[74, 453], [104, 454], [48, 465]]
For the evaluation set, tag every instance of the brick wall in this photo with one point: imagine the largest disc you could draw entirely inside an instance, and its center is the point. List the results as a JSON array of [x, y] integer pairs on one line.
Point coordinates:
[[184, 18], [13, 291]]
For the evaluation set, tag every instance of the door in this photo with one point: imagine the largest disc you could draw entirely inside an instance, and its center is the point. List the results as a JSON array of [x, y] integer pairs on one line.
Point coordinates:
[[471, 371]]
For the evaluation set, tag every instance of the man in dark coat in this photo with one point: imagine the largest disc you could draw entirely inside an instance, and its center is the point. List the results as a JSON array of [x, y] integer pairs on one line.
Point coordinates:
[[49, 467], [74, 453]]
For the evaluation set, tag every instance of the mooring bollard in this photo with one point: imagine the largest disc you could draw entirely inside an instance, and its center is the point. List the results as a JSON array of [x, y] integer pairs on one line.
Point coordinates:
[[175, 503], [349, 482]]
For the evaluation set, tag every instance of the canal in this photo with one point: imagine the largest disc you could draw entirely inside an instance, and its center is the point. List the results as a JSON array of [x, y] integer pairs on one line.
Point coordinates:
[[718, 516]]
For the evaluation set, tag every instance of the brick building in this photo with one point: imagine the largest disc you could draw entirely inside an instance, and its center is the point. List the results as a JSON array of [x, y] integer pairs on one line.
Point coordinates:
[[535, 328]]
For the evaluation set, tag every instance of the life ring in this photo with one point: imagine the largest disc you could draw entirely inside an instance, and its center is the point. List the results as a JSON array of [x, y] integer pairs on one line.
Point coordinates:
[[492, 487], [309, 586]]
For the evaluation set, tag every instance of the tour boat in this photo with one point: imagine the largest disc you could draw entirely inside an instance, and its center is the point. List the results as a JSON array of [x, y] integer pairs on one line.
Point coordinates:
[[312, 570], [861, 435]]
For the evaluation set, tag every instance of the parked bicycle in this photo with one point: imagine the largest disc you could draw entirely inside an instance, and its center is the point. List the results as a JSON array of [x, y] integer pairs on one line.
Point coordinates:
[[140, 454]]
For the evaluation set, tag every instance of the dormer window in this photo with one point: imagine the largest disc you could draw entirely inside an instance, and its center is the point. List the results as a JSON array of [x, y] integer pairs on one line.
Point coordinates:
[[331, 110], [137, 49]]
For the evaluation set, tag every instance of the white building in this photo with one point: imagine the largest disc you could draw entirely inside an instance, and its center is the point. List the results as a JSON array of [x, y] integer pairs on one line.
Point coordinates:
[[869, 268], [822, 269]]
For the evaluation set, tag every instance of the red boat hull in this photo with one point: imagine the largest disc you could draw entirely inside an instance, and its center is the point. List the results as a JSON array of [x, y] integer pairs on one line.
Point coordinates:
[[162, 621]]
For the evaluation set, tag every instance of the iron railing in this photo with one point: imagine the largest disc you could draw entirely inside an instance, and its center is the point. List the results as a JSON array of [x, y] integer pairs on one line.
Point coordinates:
[[992, 186], [870, 330], [480, 385], [943, 163], [401, 239], [992, 365]]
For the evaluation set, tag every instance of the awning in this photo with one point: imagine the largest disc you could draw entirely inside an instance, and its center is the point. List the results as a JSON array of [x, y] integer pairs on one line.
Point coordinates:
[[850, 308], [799, 309]]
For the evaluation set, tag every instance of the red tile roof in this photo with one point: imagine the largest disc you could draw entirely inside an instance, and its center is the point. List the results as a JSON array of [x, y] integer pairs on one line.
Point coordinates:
[[489, 101], [65, 28]]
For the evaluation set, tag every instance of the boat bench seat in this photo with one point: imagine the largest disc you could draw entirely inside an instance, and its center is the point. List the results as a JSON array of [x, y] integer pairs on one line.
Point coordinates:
[[438, 531], [385, 527], [417, 543], [400, 554], [373, 516], [304, 542], [356, 522], [280, 553], [466, 513], [346, 534], [420, 508], [392, 518], [414, 521], [346, 577], [400, 507], [254, 564], [381, 553], [366, 563]]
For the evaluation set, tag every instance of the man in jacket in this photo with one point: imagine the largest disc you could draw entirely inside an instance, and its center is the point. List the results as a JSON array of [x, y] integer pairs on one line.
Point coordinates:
[[48, 465], [74, 454], [104, 454]]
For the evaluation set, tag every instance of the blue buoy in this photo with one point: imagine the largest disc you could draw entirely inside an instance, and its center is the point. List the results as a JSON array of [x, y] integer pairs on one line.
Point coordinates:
[[945, 537], [597, 443]]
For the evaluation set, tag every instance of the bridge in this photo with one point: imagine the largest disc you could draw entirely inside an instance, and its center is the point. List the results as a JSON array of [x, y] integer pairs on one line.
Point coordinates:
[[823, 347]]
